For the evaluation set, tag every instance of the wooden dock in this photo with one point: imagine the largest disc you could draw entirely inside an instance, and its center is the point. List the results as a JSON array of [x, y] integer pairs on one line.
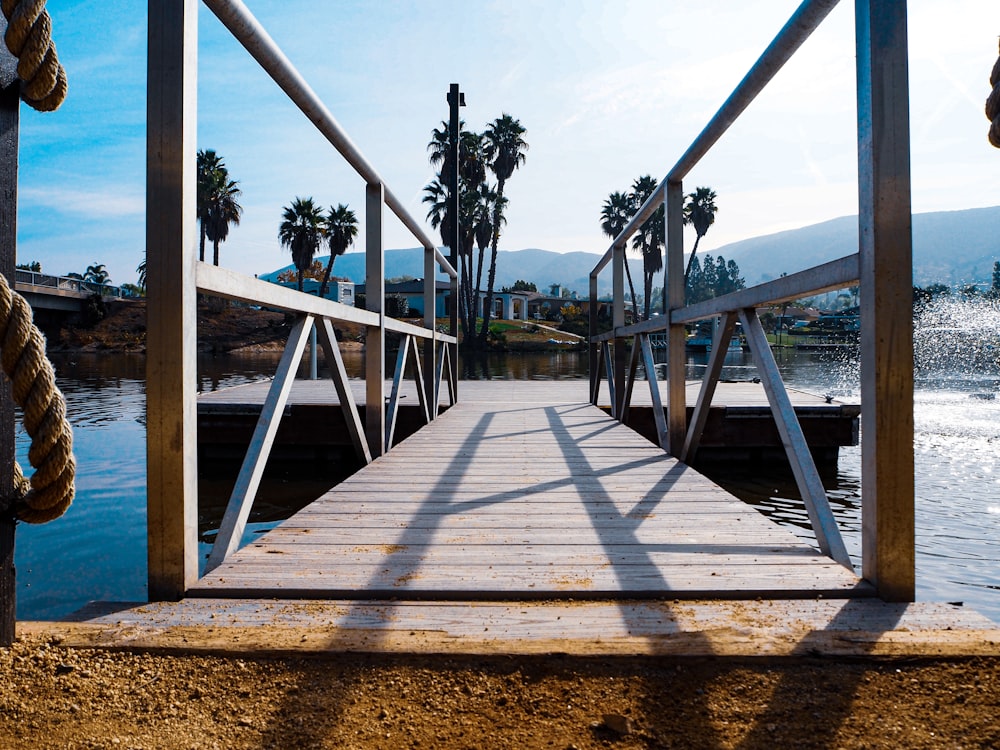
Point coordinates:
[[740, 425], [525, 491]]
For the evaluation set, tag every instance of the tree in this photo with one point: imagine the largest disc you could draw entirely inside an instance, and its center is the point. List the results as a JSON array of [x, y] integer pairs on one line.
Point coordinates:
[[650, 238], [96, 273], [34, 266], [699, 211], [211, 171], [223, 210], [341, 227], [616, 213], [141, 270], [520, 286], [995, 289], [301, 232], [504, 148]]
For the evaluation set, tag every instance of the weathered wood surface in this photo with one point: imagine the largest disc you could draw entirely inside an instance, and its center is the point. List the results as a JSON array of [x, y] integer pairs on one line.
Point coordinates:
[[777, 628], [510, 497], [568, 391]]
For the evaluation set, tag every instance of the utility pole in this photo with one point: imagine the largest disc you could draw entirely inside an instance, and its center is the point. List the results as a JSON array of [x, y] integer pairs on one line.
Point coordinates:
[[456, 99]]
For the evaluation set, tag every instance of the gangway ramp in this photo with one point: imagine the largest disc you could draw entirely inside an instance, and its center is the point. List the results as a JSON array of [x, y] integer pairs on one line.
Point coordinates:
[[518, 493]]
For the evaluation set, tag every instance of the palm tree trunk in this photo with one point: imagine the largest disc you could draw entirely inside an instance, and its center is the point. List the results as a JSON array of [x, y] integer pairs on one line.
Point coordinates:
[[687, 270], [491, 276], [201, 244], [326, 275], [215, 252], [631, 289]]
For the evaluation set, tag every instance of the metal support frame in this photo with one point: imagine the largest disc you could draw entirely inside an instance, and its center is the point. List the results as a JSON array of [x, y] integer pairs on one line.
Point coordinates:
[[807, 478], [654, 390], [630, 373], [886, 262], [338, 373], [252, 471], [445, 368], [720, 347], [405, 347]]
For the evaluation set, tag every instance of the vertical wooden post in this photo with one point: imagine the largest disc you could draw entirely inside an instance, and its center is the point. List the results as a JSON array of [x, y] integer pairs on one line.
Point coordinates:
[[618, 261], [886, 262], [9, 114], [592, 347], [375, 335], [676, 336], [430, 321], [171, 343]]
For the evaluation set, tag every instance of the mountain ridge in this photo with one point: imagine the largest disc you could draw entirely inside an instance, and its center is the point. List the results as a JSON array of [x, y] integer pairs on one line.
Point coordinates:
[[949, 247]]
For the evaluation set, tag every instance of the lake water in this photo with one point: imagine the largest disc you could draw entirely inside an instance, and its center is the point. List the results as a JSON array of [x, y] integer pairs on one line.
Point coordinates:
[[97, 551]]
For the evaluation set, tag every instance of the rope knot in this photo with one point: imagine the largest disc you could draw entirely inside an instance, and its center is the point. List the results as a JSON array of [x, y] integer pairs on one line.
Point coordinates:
[[29, 39], [993, 105], [22, 356]]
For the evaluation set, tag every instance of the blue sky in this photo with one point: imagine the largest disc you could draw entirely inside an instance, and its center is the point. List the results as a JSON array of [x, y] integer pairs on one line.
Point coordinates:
[[607, 92]]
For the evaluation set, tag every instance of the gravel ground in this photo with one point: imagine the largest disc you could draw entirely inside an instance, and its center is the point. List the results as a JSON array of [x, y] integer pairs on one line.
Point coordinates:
[[56, 697]]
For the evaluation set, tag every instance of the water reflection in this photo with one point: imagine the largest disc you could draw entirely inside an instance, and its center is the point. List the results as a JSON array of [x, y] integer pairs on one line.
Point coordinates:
[[98, 550]]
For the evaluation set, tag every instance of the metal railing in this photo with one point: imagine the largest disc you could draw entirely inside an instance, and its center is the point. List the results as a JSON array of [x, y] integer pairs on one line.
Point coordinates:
[[175, 278], [66, 284], [886, 343]]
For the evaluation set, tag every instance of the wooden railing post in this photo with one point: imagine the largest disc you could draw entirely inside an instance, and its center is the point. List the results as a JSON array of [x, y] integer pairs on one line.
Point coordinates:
[[676, 335], [592, 347], [621, 351], [430, 321], [9, 123], [171, 244], [886, 262], [375, 335]]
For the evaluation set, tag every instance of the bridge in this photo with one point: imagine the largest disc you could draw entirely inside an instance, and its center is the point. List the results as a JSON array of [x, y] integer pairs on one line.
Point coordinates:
[[59, 293], [484, 530]]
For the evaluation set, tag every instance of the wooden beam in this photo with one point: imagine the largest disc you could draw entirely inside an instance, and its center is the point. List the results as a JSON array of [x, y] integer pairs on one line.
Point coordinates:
[[676, 335], [375, 333], [886, 252], [9, 123], [654, 391], [620, 352], [171, 338]]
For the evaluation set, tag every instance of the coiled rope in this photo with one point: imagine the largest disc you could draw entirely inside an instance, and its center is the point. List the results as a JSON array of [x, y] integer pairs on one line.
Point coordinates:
[[29, 39], [49, 492], [993, 105]]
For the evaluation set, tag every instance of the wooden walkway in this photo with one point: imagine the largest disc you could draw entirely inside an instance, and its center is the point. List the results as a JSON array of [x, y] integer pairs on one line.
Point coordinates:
[[525, 491]]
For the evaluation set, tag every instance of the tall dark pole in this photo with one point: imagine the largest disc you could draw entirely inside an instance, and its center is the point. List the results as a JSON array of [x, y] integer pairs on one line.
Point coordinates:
[[9, 110], [456, 99]]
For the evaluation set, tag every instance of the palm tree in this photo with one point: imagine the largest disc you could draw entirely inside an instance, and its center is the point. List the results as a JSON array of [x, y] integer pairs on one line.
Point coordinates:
[[341, 227], [700, 211], [211, 171], [616, 213], [141, 270], [650, 238], [301, 232], [504, 148], [223, 210], [97, 274]]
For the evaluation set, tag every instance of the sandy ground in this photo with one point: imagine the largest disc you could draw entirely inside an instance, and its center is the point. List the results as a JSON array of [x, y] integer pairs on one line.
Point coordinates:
[[55, 697]]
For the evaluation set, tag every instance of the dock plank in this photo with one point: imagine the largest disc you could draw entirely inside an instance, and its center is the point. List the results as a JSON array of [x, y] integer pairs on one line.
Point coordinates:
[[523, 492]]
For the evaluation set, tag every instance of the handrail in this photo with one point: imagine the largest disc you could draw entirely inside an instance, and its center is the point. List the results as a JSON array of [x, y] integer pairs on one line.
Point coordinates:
[[882, 268], [242, 24], [799, 27], [229, 284]]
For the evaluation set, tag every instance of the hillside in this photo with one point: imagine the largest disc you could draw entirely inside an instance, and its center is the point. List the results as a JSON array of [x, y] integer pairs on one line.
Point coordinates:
[[950, 247]]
